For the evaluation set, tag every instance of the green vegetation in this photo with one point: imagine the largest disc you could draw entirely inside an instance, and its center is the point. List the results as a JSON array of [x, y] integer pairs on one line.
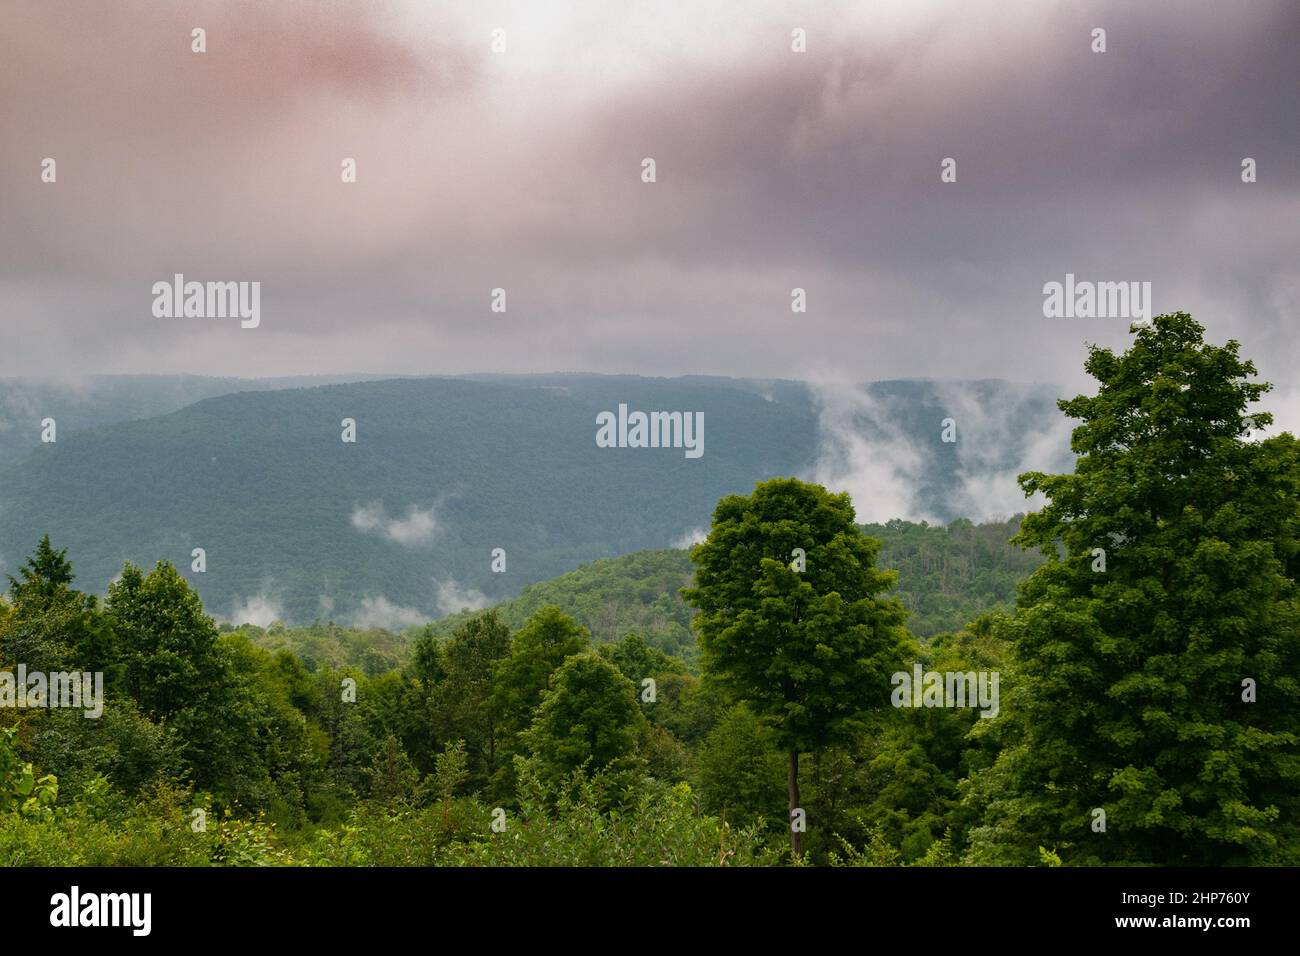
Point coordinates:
[[1149, 711], [611, 598], [100, 400], [947, 576], [300, 526], [1163, 689], [792, 621], [370, 650]]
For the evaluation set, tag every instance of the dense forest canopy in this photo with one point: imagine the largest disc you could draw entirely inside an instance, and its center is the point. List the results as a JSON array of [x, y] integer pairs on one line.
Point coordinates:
[[401, 525], [947, 577], [1146, 645]]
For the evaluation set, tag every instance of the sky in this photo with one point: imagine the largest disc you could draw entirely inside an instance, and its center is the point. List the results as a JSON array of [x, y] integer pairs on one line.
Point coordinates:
[[521, 169]]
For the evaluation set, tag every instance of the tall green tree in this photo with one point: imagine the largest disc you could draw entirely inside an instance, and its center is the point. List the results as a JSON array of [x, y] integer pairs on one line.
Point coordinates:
[[805, 637], [1158, 648], [52, 626], [43, 574], [170, 643], [548, 638], [463, 703], [179, 675], [589, 717]]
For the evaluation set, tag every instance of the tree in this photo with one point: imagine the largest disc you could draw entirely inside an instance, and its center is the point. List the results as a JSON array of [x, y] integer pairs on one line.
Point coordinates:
[[121, 745], [741, 769], [637, 660], [428, 661], [393, 778], [462, 701], [548, 638], [51, 626], [180, 676], [902, 789], [806, 639], [589, 718], [43, 574], [1169, 592], [170, 645]]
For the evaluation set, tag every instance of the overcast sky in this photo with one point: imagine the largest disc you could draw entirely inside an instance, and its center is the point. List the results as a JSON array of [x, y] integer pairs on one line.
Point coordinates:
[[522, 170]]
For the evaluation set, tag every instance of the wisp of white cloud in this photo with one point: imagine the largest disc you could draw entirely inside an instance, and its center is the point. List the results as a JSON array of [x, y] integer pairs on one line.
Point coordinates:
[[689, 538], [379, 612], [986, 436], [418, 527], [863, 450], [259, 610], [452, 597]]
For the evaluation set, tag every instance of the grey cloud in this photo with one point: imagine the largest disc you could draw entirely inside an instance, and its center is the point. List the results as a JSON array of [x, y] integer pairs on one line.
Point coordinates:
[[775, 171]]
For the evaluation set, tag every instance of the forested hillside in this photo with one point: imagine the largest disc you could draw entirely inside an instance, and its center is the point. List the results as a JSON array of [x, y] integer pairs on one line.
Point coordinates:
[[98, 400], [1135, 706], [637, 593], [401, 526], [289, 756], [319, 646], [948, 576]]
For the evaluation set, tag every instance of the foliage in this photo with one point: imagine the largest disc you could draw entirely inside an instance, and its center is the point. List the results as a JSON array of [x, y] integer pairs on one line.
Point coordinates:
[[21, 791], [792, 619], [479, 452], [950, 575], [588, 719], [569, 726], [1132, 696]]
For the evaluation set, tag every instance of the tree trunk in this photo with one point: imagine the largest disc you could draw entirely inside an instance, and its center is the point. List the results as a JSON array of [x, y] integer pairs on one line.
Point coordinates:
[[792, 784]]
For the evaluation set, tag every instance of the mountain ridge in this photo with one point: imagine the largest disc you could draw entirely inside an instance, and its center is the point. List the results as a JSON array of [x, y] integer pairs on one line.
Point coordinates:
[[402, 525]]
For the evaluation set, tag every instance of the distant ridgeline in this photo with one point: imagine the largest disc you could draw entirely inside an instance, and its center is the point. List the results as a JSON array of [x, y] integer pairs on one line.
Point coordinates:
[[107, 399], [450, 480]]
